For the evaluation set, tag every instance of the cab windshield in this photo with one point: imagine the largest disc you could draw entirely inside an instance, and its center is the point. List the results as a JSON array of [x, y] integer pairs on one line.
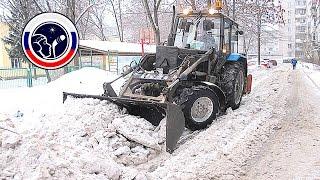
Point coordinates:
[[200, 33]]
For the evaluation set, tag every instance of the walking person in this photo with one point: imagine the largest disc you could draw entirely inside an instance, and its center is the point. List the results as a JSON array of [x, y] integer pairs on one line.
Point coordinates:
[[294, 63]]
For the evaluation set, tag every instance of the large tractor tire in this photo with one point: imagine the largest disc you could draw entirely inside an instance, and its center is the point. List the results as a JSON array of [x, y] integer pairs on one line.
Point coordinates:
[[233, 83], [200, 106]]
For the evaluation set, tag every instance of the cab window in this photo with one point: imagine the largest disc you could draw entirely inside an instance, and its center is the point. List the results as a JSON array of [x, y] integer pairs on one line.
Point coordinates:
[[234, 39], [226, 39]]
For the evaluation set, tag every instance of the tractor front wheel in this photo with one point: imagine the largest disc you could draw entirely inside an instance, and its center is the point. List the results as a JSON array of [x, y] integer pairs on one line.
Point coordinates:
[[200, 107]]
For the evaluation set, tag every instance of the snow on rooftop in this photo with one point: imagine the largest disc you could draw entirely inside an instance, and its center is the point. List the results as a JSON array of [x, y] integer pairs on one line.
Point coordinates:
[[118, 46]]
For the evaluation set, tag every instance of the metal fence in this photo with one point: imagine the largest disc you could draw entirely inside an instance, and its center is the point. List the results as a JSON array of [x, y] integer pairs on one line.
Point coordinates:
[[29, 77], [21, 77]]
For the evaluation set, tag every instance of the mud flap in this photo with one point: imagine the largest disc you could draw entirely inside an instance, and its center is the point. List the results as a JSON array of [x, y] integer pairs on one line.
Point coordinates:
[[175, 126], [249, 84]]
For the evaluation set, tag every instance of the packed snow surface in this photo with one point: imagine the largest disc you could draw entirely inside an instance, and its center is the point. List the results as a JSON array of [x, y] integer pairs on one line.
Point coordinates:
[[313, 73], [92, 139]]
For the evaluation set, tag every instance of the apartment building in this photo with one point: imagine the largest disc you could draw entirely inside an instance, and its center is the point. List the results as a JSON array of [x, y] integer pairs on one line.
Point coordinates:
[[296, 28]]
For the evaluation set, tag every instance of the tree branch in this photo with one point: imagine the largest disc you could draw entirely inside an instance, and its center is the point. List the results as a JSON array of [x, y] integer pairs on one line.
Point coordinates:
[[38, 6], [147, 8], [83, 12]]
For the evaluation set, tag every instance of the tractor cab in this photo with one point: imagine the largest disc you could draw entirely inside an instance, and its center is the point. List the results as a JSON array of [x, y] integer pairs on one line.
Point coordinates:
[[204, 31]]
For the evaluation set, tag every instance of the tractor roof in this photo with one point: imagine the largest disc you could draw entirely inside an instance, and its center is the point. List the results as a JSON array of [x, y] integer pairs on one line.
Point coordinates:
[[206, 14]]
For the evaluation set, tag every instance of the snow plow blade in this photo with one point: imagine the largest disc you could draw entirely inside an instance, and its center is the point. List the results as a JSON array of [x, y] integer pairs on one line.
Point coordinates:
[[153, 112], [175, 126]]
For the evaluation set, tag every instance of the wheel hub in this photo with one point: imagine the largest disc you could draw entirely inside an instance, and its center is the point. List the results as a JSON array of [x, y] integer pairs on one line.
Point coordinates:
[[201, 109]]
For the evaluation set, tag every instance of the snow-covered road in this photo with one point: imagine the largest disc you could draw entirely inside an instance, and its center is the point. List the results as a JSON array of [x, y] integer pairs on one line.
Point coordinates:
[[293, 152], [91, 139]]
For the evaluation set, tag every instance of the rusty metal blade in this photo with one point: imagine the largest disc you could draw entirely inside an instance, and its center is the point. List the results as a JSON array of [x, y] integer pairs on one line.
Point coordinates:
[[175, 126]]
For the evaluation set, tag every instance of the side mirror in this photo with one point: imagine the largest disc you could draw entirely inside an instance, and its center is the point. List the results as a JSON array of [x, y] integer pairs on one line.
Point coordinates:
[[208, 25], [239, 33]]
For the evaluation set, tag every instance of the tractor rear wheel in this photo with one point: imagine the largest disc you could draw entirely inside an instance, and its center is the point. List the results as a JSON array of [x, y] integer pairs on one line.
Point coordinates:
[[233, 83], [200, 106]]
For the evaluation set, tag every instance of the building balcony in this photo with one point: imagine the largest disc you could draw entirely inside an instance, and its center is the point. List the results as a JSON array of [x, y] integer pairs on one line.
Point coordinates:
[[304, 24], [303, 7]]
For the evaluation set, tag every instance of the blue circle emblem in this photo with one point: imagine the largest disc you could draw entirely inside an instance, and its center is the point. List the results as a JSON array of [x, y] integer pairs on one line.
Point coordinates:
[[50, 40]]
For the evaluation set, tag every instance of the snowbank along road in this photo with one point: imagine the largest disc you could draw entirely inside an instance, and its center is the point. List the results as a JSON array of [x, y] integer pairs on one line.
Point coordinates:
[[293, 152], [273, 135]]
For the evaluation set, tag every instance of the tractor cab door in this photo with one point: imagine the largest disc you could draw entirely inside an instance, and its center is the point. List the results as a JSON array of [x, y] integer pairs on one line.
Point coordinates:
[[234, 39], [230, 37], [227, 28]]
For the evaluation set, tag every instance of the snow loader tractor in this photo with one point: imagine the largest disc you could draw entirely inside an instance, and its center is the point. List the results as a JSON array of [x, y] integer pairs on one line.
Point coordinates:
[[190, 80]]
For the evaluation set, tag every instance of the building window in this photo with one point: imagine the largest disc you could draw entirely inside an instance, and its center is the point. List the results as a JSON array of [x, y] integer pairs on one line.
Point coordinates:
[[301, 36], [301, 29], [15, 63], [300, 11], [301, 3]]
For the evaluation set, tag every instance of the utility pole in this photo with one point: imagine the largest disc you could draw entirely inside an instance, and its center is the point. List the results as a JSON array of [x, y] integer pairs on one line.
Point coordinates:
[[259, 16], [233, 9], [259, 39]]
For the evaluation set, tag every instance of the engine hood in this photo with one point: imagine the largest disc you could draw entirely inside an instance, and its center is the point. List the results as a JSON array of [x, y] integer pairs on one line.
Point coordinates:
[[170, 57]]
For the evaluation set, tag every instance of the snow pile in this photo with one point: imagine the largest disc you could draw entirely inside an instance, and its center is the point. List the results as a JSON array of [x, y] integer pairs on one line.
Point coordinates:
[[88, 139], [313, 73], [83, 138], [35, 101], [86, 80], [8, 136]]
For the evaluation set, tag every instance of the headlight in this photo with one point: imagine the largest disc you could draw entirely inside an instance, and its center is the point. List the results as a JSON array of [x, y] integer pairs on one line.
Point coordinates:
[[212, 11], [186, 11]]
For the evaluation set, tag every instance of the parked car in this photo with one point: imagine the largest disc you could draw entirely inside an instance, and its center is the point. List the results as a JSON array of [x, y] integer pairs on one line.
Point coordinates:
[[273, 62], [264, 63]]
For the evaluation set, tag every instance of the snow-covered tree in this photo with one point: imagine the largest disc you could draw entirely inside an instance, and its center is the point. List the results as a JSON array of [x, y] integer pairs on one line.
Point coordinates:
[[19, 13], [311, 46], [253, 17]]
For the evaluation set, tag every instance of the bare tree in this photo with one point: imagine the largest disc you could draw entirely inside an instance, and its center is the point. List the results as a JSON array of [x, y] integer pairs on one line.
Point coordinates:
[[153, 19], [97, 19], [312, 45], [118, 17]]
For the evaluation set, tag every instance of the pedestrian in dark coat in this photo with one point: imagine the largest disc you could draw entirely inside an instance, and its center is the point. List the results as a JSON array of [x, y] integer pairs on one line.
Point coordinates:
[[294, 63]]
